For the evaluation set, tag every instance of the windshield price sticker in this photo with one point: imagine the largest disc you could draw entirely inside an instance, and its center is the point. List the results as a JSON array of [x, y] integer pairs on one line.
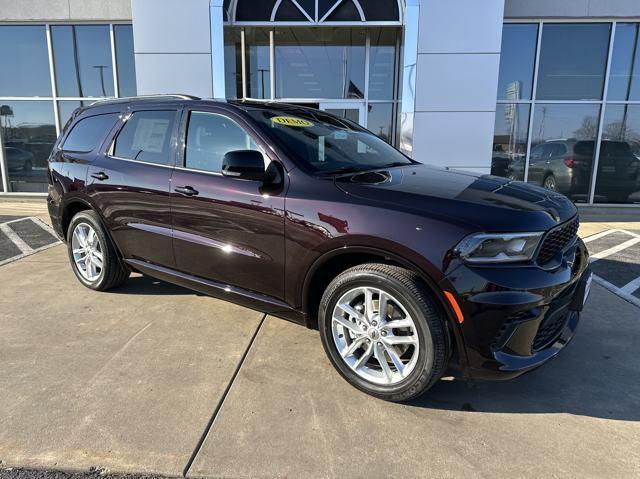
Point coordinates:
[[291, 121]]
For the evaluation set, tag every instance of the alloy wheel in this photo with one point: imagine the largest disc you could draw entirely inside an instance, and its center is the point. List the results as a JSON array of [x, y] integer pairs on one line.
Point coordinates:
[[550, 183], [87, 252], [375, 335]]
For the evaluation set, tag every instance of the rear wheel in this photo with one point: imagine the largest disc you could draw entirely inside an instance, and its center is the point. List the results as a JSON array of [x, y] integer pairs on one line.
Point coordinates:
[[550, 183], [382, 331], [93, 257]]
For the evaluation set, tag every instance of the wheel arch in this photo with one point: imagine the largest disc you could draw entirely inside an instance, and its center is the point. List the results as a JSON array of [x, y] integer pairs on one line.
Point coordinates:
[[333, 262], [75, 206], [69, 210]]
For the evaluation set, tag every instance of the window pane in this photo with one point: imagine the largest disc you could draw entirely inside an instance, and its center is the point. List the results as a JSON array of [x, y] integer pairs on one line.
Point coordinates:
[[380, 120], [28, 134], [66, 109], [147, 137], [125, 60], [517, 59], [232, 63], [82, 60], [258, 71], [352, 114], [382, 60], [618, 179], [573, 59], [624, 78], [320, 62], [510, 141], [89, 132], [24, 61], [210, 137], [562, 148]]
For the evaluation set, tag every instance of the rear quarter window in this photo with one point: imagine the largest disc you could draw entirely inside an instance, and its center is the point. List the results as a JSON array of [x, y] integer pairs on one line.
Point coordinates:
[[88, 133]]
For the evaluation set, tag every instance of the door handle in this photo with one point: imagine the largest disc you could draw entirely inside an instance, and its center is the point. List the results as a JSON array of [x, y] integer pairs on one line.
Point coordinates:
[[101, 175], [186, 190]]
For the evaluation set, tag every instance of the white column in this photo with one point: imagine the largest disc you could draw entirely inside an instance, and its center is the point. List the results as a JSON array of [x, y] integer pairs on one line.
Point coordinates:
[[456, 82]]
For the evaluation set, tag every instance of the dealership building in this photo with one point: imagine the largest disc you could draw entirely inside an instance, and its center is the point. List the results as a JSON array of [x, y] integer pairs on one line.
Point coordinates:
[[543, 91]]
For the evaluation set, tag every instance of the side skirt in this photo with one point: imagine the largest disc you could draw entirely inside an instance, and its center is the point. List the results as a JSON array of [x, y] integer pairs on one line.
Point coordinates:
[[243, 297]]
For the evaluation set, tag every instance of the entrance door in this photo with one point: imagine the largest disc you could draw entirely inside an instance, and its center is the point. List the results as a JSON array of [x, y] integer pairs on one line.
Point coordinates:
[[353, 111]]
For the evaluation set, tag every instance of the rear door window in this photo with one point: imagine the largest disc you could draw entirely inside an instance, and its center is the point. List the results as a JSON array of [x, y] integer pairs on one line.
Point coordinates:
[[147, 137], [88, 133]]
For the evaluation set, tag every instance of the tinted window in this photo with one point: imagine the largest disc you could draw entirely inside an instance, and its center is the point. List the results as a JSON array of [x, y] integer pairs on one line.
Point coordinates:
[[516, 61], [89, 132], [258, 70], [510, 140], [320, 62], [232, 62], [147, 137], [618, 176], [577, 123], [82, 60], [28, 134], [24, 61], [210, 137], [573, 58], [382, 62], [624, 79], [125, 60]]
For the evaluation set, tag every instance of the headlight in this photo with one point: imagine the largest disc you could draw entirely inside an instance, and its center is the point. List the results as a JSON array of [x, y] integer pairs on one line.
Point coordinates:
[[498, 248]]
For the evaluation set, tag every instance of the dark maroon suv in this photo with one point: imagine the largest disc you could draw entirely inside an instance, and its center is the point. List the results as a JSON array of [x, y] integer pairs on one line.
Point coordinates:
[[405, 269]]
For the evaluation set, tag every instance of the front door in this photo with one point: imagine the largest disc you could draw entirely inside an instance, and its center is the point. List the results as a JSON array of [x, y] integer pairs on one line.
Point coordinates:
[[225, 229], [351, 110]]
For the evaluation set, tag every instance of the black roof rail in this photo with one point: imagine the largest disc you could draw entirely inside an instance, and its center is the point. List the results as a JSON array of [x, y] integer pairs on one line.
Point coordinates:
[[179, 96]]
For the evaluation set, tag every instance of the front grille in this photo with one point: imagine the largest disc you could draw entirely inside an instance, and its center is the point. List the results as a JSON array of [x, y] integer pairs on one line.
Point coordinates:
[[549, 330], [558, 239]]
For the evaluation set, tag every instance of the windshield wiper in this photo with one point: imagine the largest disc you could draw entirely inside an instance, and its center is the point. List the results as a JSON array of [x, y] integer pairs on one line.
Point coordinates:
[[346, 169], [353, 169]]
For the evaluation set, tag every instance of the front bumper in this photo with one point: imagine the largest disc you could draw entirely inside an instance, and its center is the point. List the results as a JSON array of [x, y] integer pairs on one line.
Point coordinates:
[[519, 317]]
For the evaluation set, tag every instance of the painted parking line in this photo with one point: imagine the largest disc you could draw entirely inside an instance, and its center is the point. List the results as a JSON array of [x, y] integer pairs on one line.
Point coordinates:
[[21, 237], [615, 261], [615, 249]]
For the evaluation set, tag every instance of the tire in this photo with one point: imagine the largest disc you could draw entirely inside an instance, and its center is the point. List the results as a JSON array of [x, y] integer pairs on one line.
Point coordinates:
[[407, 297], [550, 183], [112, 273]]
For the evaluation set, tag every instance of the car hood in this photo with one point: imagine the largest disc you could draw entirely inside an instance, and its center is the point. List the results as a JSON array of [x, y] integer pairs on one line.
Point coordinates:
[[480, 202]]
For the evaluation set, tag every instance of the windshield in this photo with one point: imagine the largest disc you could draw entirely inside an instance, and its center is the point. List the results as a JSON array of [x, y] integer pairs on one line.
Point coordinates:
[[326, 144]]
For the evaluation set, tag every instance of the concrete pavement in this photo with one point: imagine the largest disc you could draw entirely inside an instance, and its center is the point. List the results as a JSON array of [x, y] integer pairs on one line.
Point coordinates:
[[290, 415], [125, 380], [153, 378]]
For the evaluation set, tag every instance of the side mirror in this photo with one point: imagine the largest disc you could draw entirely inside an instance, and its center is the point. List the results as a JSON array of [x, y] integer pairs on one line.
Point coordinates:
[[244, 165]]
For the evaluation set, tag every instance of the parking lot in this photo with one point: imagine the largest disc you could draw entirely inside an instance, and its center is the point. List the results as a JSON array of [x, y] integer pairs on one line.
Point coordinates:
[[152, 378]]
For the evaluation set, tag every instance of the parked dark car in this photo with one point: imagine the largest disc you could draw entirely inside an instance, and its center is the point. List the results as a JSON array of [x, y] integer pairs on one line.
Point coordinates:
[[404, 268], [566, 166], [18, 159]]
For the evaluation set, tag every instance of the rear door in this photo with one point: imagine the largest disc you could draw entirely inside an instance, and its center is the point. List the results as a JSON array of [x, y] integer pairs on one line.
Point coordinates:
[[130, 184], [225, 229]]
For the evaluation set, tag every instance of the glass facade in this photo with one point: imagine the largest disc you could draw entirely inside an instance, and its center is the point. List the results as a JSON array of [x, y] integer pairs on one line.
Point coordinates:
[[48, 72], [317, 66], [571, 121]]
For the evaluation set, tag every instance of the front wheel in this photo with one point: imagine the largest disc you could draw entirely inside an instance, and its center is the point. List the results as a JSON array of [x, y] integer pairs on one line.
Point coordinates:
[[93, 257], [382, 332]]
